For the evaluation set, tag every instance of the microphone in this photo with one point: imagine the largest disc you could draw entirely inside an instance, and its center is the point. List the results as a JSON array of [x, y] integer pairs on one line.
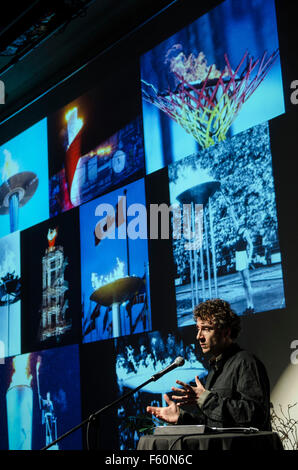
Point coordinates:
[[179, 361]]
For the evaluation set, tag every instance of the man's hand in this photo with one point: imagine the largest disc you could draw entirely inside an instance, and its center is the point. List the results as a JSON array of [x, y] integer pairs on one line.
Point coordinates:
[[187, 394], [169, 413]]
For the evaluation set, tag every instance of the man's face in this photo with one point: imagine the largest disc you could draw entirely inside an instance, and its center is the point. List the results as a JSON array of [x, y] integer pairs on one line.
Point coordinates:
[[212, 340]]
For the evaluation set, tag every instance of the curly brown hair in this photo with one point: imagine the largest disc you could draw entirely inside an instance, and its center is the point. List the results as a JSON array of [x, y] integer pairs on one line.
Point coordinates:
[[220, 313]]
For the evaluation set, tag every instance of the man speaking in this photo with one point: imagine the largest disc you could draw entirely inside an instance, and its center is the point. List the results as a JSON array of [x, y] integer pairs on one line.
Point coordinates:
[[236, 392]]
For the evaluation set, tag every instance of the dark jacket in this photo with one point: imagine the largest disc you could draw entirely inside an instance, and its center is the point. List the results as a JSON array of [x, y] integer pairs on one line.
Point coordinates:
[[237, 393]]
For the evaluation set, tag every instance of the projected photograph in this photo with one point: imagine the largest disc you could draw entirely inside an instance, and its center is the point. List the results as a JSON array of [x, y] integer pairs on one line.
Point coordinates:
[[10, 295], [24, 186], [137, 359], [227, 245], [40, 400], [51, 311], [114, 264], [213, 79], [83, 165]]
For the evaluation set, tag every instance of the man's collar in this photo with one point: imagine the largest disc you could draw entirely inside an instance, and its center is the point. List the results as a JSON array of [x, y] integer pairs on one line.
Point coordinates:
[[218, 361]]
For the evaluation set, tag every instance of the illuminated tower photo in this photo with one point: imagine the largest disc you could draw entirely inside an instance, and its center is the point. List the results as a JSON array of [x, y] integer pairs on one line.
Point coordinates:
[[54, 304]]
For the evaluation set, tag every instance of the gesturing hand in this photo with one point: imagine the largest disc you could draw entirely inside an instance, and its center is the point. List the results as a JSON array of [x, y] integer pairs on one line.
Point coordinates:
[[169, 413], [187, 394]]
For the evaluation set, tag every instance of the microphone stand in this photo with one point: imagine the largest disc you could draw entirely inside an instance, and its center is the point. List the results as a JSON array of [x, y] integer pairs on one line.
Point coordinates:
[[93, 416]]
